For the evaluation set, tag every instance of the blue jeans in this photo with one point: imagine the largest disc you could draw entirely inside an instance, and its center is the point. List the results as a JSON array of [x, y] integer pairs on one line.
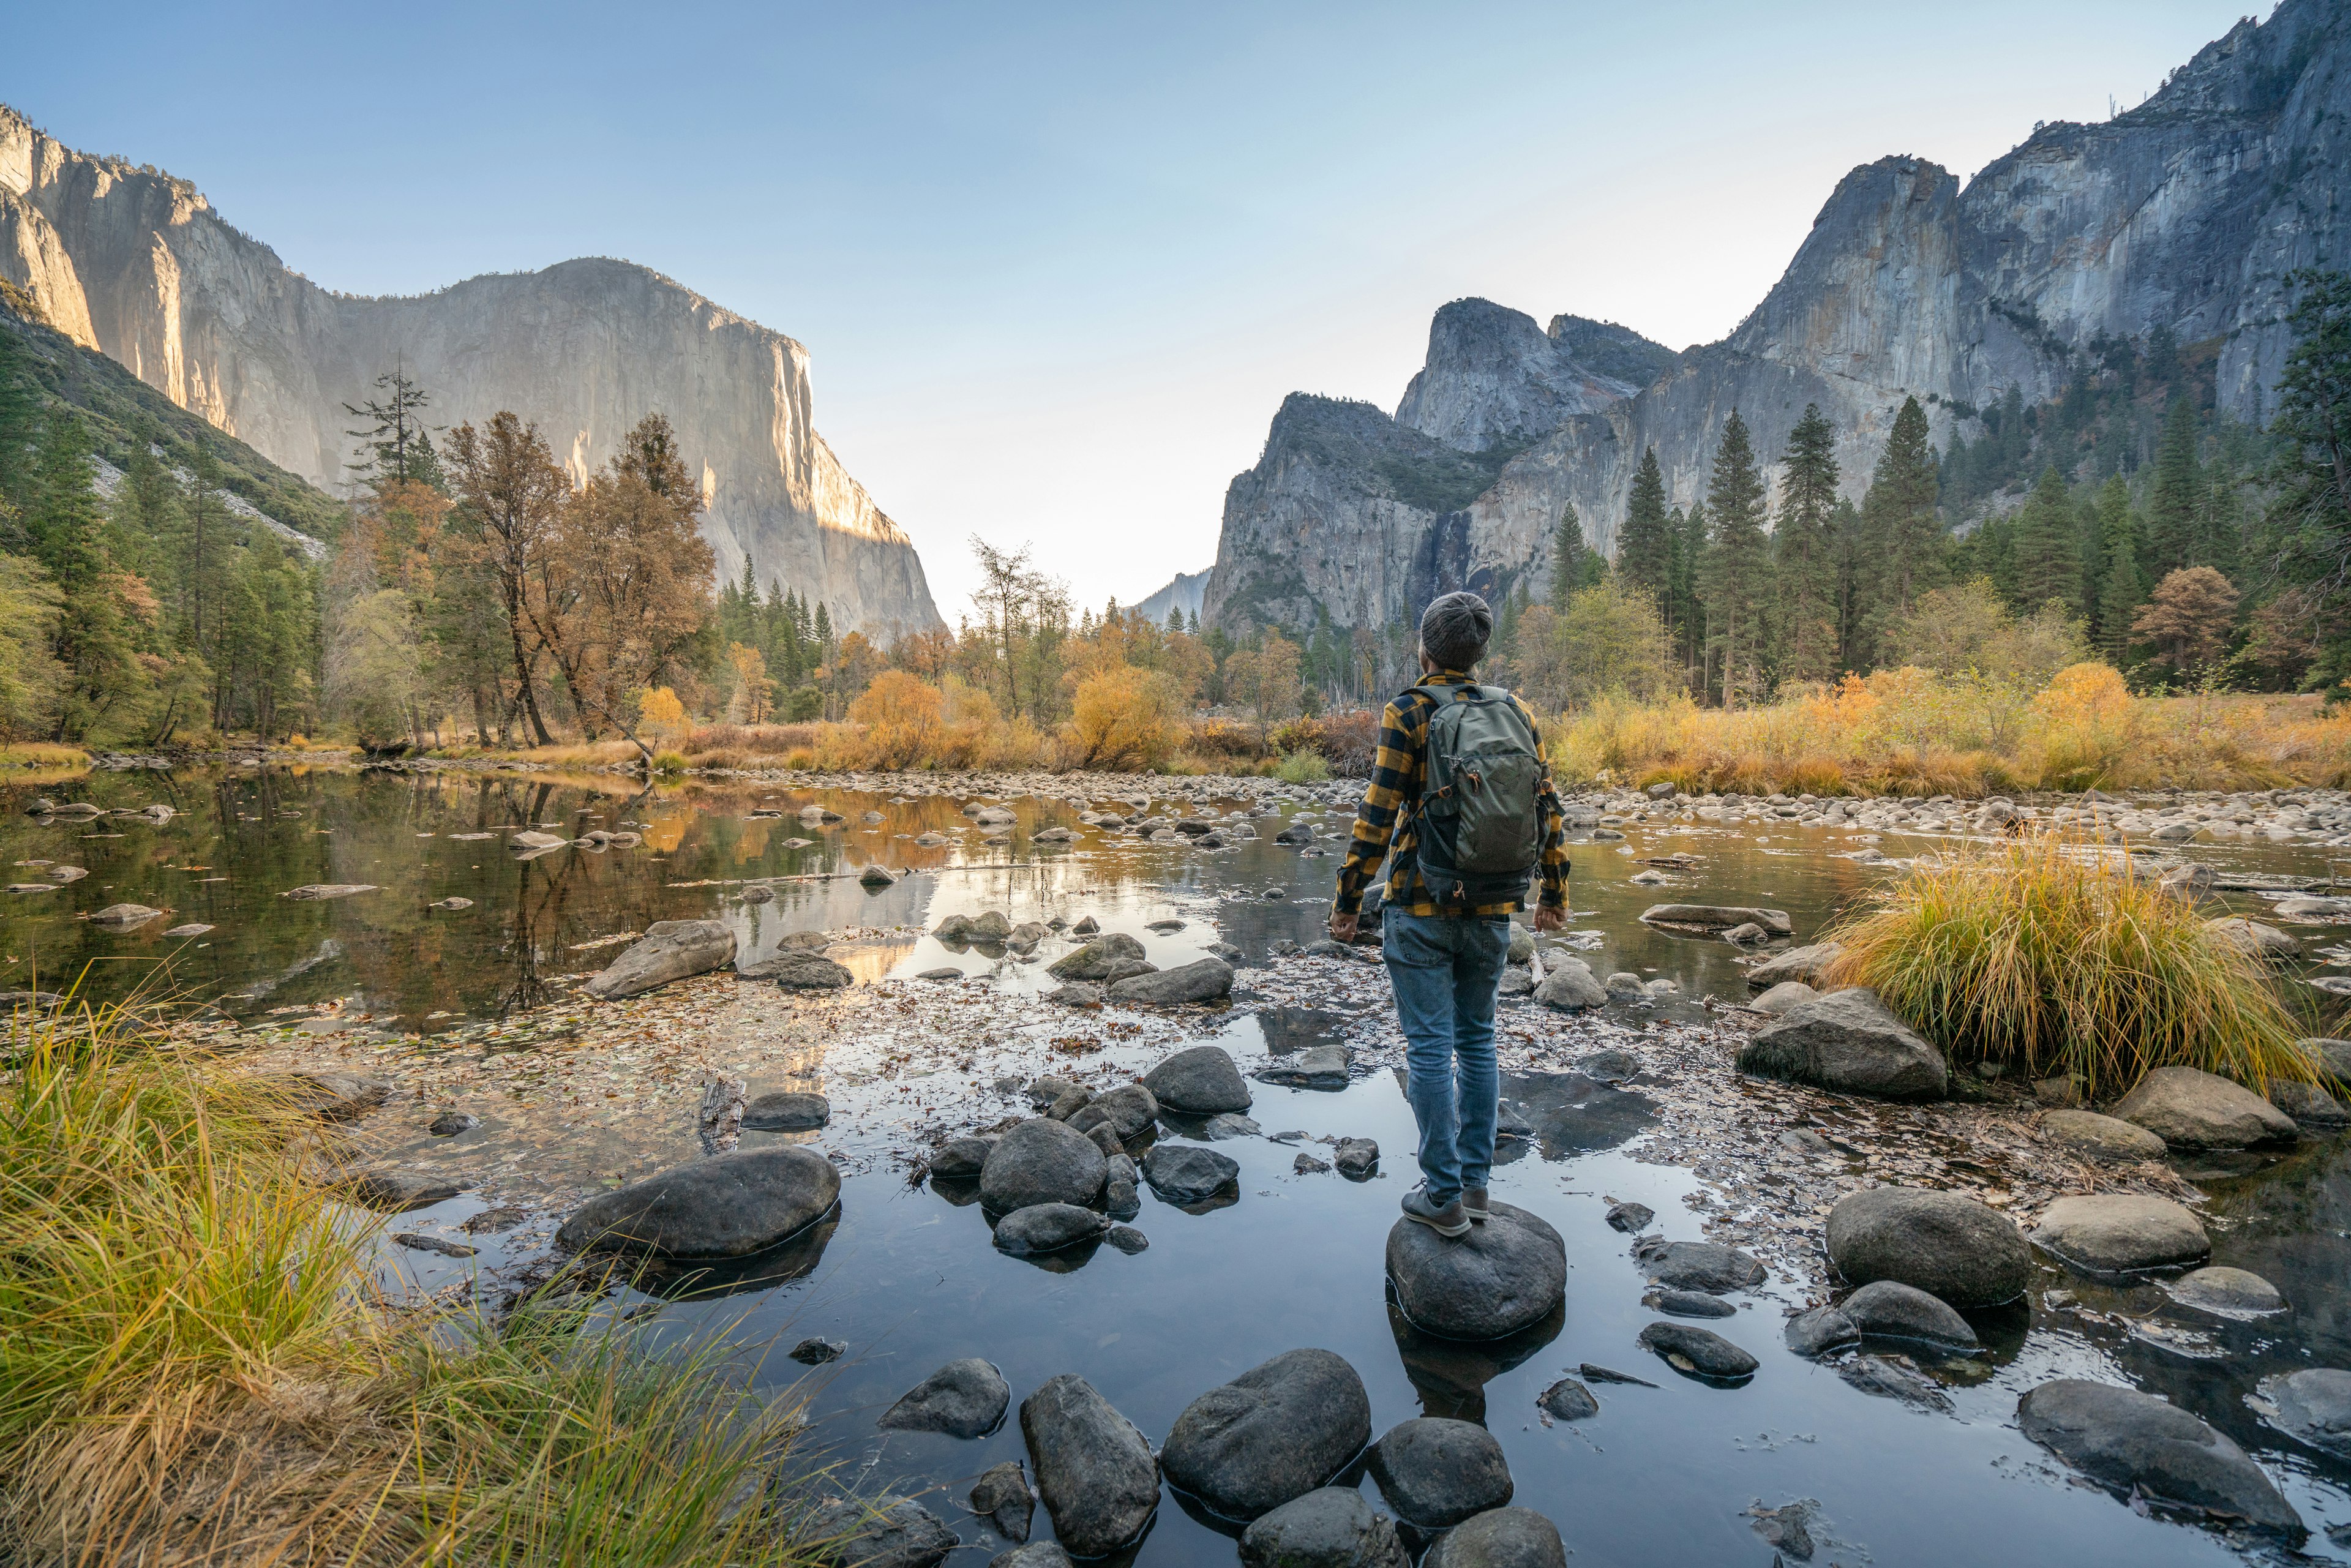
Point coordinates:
[[1447, 971]]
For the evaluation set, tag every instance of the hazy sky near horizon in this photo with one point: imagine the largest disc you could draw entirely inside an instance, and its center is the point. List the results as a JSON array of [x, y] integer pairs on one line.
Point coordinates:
[[1057, 264]]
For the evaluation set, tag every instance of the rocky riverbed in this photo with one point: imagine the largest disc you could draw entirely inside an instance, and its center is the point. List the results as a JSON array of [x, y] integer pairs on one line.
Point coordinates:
[[1702, 1383]]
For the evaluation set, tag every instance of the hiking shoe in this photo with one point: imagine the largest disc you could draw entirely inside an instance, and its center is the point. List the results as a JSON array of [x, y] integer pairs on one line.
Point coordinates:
[[1449, 1221], [1473, 1204]]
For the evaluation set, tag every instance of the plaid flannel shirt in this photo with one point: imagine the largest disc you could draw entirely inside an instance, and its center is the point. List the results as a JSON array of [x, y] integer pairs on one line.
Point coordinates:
[[1388, 821]]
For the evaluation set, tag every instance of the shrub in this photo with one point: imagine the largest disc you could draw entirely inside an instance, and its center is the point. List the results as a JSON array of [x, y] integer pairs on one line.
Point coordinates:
[[2048, 956], [669, 762], [1302, 767], [1121, 718]]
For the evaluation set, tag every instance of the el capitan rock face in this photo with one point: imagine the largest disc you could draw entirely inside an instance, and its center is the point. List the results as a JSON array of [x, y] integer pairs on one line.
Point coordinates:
[[135, 263], [2186, 212]]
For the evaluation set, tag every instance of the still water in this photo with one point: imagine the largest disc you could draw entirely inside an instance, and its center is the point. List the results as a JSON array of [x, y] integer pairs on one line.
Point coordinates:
[[908, 1277]]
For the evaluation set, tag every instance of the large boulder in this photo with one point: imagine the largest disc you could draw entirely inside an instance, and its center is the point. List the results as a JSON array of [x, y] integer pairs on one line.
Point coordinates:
[[1041, 1161], [725, 1206], [1185, 1173], [1094, 1470], [2121, 1232], [1335, 1527], [1095, 960], [1507, 1274], [2135, 1442], [2191, 1108], [963, 1398], [2313, 1406], [1849, 1041], [1807, 965], [889, 1532], [1503, 1538], [1199, 1081], [1436, 1472], [669, 950], [1717, 917], [1571, 987], [1950, 1247], [1276, 1432], [1203, 981]]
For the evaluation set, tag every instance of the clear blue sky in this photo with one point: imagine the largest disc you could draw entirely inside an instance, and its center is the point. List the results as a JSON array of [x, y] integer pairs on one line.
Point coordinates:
[[1058, 264]]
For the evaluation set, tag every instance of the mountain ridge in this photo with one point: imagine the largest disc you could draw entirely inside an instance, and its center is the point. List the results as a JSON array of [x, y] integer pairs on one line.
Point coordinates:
[[134, 263]]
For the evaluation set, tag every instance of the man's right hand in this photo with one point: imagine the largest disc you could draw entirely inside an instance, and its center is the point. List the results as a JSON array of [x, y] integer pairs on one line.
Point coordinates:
[[1343, 927]]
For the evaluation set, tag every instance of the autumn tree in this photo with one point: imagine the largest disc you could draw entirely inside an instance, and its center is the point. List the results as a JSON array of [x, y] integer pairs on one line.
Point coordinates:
[[2188, 618], [513, 497], [1024, 615], [1264, 679]]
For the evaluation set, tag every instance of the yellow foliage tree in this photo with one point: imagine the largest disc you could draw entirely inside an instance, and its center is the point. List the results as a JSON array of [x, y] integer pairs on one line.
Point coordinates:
[[1121, 718], [901, 717], [660, 711]]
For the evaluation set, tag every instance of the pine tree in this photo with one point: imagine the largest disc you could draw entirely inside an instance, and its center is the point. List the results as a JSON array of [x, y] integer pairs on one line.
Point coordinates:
[[1567, 552], [2048, 560], [2224, 517], [2121, 588], [2172, 510], [1737, 580], [1645, 549], [1689, 571], [1805, 542], [1901, 531], [65, 530], [20, 425], [394, 446]]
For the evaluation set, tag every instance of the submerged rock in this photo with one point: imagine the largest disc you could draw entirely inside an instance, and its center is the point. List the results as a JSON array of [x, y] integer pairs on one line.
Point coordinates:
[[1718, 917], [1699, 1351], [1851, 1042], [1095, 1471], [1507, 1274], [1333, 1527], [1820, 1330], [1688, 1304], [724, 1207], [890, 1532], [1437, 1472], [2114, 1232], [963, 1398], [326, 890], [1183, 1173], [817, 1351], [1041, 1161], [1202, 981], [1316, 1067], [2227, 1292], [2190, 1109], [1950, 1247], [669, 950], [1042, 1227], [1001, 1496], [1568, 1400], [1503, 1538], [125, 916], [1703, 1266], [1275, 1433], [785, 1112], [1201, 1081], [1886, 1309], [2311, 1407], [2134, 1441]]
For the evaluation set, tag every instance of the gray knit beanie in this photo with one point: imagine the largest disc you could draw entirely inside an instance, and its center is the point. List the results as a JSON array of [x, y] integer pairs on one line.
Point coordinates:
[[1454, 629]]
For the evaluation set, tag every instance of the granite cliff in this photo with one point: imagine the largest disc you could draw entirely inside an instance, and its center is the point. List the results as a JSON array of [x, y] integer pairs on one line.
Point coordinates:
[[134, 263], [2187, 212]]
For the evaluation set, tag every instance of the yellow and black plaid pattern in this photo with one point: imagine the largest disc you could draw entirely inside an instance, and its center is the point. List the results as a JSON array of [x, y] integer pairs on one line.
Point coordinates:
[[1395, 790]]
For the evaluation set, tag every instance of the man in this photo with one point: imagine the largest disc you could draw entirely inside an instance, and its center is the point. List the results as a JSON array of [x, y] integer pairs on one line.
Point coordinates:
[[1461, 792]]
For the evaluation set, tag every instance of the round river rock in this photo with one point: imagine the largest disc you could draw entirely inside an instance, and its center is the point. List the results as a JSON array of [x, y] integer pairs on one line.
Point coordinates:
[[1947, 1245], [1437, 1472], [1504, 1538], [1505, 1275], [1336, 1527], [1201, 1081], [2119, 1232], [1275, 1433], [725, 1206], [1041, 1161]]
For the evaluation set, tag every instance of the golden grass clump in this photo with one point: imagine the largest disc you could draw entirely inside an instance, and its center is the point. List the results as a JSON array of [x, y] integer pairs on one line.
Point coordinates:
[[193, 1366], [2048, 955]]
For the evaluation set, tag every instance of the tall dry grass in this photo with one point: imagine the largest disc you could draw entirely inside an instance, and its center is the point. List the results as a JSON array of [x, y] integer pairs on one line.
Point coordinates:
[[193, 1368], [1907, 731], [2047, 956]]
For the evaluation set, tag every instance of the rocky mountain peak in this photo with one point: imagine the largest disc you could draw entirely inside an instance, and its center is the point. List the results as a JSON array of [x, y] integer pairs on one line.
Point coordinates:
[[1493, 374]]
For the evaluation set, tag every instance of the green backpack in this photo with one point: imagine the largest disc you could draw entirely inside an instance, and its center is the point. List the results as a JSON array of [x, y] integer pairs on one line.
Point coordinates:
[[1480, 832]]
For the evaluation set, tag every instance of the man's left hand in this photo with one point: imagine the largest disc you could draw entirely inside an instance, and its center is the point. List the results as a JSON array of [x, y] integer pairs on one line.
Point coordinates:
[[1549, 917]]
